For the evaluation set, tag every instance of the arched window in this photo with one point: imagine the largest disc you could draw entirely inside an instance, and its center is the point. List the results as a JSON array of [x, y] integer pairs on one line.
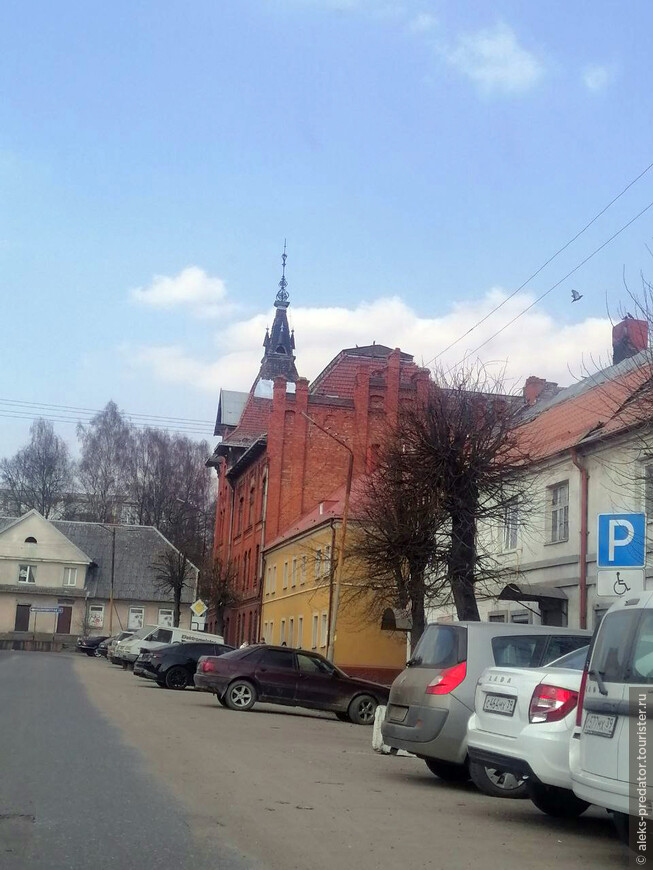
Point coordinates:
[[31, 540], [281, 349]]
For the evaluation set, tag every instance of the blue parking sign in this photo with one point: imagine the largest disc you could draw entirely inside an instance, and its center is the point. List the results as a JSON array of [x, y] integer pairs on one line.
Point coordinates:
[[621, 541]]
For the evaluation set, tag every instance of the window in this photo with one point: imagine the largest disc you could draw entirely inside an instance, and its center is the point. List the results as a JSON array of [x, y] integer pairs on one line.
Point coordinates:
[[562, 644], [291, 631], [323, 627], [31, 540], [316, 620], [326, 566], [510, 524], [285, 575], [521, 651], [136, 618], [96, 615], [70, 576], [300, 627], [497, 617], [268, 582], [161, 635], [303, 572], [314, 665], [27, 574], [165, 617], [293, 572], [559, 511], [239, 527], [274, 579], [318, 563], [250, 506], [265, 632], [520, 617], [610, 652], [599, 613], [282, 636], [441, 646], [278, 659], [271, 638]]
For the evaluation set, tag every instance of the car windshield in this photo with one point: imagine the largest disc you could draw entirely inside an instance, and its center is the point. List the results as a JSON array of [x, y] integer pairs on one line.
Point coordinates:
[[439, 647], [141, 633]]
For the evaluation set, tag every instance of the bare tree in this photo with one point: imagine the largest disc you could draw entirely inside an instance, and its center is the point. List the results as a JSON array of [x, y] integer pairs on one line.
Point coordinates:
[[103, 468], [172, 574], [217, 588], [40, 474]]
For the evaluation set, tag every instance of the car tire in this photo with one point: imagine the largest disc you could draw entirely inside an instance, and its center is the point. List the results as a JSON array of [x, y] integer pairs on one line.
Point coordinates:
[[344, 717], [90, 652], [240, 695], [221, 701], [362, 710], [496, 782], [447, 770], [161, 684], [125, 665], [561, 803], [176, 678]]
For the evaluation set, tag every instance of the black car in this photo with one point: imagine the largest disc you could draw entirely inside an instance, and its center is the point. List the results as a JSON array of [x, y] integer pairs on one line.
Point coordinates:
[[90, 644], [174, 666]]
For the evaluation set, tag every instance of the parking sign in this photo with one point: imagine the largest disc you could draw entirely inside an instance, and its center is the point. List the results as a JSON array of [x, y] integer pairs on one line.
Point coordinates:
[[621, 541]]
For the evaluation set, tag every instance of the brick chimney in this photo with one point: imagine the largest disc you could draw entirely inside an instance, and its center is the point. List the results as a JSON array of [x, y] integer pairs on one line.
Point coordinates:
[[628, 338], [539, 389]]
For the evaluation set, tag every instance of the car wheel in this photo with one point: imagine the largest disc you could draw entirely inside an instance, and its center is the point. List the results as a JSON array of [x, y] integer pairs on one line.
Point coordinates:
[[559, 802], [344, 717], [241, 695], [496, 782], [90, 652], [447, 770], [161, 684], [176, 678], [362, 709], [125, 665]]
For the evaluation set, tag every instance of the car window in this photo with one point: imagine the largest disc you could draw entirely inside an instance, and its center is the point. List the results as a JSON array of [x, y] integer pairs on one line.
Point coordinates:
[[222, 648], [313, 665], [277, 659], [199, 649], [609, 656], [518, 651], [441, 646], [561, 644], [574, 660], [641, 668], [161, 635]]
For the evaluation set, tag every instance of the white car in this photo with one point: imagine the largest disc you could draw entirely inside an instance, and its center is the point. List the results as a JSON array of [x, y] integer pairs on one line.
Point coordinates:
[[523, 722], [154, 636], [608, 748]]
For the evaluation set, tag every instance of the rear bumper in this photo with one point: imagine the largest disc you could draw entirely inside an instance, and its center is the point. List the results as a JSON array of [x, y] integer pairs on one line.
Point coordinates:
[[514, 765], [210, 683], [430, 732]]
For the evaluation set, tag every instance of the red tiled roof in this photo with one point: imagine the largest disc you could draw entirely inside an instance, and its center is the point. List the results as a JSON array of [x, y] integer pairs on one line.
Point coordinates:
[[339, 377], [253, 421]]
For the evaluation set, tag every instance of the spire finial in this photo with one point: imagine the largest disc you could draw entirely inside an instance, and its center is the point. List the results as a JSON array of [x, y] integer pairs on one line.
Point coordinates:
[[282, 295]]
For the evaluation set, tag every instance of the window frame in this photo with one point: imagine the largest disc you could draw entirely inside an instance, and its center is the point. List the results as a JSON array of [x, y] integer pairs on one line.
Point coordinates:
[[510, 530], [293, 572], [31, 573], [554, 510], [97, 623], [169, 610], [285, 575], [132, 611], [65, 574], [300, 629], [315, 630], [324, 628], [317, 567]]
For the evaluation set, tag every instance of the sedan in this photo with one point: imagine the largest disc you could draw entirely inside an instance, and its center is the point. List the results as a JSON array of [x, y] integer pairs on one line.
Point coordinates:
[[89, 644], [279, 675], [173, 666]]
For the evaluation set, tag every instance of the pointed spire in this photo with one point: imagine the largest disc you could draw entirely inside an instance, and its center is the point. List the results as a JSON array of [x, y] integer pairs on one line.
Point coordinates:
[[282, 295]]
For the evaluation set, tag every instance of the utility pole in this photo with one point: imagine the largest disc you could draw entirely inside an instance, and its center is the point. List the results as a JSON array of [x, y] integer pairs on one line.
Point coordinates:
[[113, 571], [343, 537]]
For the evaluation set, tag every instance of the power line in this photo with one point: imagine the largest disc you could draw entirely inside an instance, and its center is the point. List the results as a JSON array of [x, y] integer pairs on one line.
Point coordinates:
[[542, 267], [557, 284], [96, 411], [71, 420]]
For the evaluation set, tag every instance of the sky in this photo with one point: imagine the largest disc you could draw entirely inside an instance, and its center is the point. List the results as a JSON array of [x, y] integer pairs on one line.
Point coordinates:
[[423, 159]]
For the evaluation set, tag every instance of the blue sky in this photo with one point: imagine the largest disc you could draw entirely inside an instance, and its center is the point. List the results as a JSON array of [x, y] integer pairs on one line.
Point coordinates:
[[422, 158]]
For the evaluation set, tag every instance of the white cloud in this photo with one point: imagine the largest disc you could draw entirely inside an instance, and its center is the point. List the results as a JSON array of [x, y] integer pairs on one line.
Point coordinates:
[[595, 77], [192, 287], [422, 23], [494, 59], [537, 344]]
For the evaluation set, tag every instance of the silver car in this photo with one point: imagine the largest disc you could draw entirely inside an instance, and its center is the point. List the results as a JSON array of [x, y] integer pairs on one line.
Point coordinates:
[[432, 699]]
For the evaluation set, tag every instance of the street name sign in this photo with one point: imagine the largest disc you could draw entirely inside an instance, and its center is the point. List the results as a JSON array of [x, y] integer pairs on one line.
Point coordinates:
[[46, 609]]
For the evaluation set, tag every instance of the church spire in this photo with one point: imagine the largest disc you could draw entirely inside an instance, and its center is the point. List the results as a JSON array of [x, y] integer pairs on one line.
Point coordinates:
[[282, 295], [279, 341]]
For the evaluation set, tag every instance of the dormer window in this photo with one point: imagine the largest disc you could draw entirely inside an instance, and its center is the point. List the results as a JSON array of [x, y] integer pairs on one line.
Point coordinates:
[[31, 540], [281, 349]]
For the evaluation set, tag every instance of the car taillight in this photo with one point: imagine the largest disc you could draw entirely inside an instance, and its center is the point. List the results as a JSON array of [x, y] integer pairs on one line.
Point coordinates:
[[581, 697], [208, 666], [551, 703], [448, 680]]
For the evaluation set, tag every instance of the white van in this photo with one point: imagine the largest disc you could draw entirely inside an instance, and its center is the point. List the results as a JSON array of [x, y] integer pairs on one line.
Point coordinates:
[[613, 716], [155, 636]]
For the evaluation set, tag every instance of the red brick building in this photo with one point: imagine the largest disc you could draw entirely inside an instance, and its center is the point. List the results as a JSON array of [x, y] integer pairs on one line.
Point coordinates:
[[274, 466]]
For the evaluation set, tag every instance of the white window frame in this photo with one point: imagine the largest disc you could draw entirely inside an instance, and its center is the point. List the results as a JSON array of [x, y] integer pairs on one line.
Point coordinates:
[[98, 620], [316, 628], [302, 576], [268, 580], [274, 579], [317, 569], [282, 633], [133, 611], [324, 625], [300, 629], [285, 574], [293, 572], [271, 640], [558, 512], [510, 525], [291, 630], [326, 562], [29, 571], [171, 613], [67, 574]]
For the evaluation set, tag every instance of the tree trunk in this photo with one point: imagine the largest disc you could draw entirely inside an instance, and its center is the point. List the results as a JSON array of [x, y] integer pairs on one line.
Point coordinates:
[[462, 560], [177, 613], [416, 607], [219, 621]]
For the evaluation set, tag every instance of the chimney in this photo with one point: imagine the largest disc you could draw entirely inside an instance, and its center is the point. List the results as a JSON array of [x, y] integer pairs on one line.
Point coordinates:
[[629, 337], [538, 390]]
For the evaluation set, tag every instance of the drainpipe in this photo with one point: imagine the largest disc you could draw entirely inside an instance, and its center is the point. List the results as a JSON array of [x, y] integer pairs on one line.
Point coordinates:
[[582, 583], [261, 558], [333, 550]]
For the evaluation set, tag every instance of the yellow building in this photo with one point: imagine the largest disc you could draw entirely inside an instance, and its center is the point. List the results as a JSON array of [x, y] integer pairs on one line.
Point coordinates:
[[298, 600]]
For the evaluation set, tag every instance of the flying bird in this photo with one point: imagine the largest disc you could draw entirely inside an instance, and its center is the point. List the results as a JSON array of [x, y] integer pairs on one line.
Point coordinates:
[[575, 295]]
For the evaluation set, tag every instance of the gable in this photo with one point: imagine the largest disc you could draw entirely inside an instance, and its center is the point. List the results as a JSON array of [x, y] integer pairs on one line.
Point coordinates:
[[51, 545]]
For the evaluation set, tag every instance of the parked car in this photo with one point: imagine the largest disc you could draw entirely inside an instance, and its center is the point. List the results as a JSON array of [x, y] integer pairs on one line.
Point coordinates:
[[90, 643], [605, 742], [154, 636], [295, 677], [522, 724], [174, 666], [101, 649], [431, 701], [113, 641]]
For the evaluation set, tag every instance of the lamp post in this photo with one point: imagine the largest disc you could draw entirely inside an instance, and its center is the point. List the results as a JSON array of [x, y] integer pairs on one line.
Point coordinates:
[[343, 535]]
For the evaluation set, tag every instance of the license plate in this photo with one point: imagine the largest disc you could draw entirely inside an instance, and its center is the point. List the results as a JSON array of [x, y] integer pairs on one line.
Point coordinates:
[[397, 714], [599, 725], [502, 704]]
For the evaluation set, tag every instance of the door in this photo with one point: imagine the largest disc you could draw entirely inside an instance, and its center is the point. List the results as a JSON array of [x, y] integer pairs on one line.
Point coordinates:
[[22, 617], [276, 675], [64, 619], [319, 685]]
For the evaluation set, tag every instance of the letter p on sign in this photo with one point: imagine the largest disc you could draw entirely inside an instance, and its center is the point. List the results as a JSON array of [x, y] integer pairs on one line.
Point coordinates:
[[621, 540]]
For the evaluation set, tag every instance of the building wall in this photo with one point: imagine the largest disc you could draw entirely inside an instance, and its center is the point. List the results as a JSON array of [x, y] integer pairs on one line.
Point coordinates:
[[121, 614], [40, 623]]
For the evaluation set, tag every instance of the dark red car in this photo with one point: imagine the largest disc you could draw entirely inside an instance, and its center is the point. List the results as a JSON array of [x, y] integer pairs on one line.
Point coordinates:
[[279, 675]]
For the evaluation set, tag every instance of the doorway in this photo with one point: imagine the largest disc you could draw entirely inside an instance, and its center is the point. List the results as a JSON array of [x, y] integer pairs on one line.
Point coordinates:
[[22, 617], [64, 619]]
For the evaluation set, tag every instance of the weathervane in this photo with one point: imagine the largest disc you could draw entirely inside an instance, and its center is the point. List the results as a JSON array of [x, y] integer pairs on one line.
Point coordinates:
[[282, 295]]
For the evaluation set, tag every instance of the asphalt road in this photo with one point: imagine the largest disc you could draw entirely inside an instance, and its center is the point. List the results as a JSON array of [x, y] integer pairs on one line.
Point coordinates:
[[288, 790]]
